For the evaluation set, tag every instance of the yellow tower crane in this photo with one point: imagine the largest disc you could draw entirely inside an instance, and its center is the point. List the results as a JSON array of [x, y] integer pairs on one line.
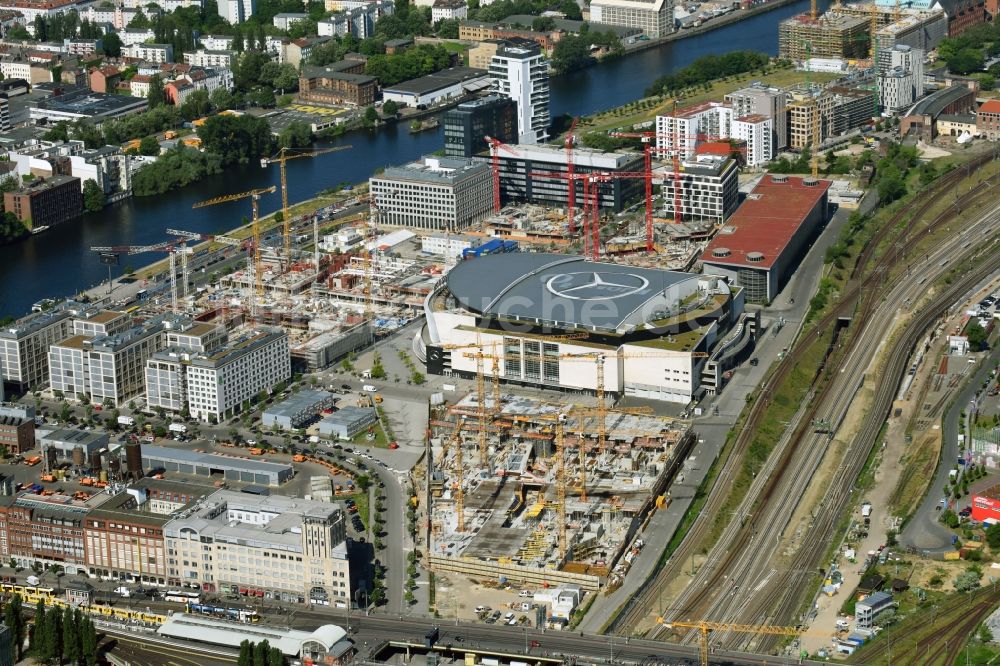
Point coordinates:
[[284, 155], [703, 627], [256, 269], [459, 480]]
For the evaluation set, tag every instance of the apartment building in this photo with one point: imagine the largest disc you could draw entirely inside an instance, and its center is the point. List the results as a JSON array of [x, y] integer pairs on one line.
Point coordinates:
[[261, 546], [520, 72], [217, 42], [766, 101], [654, 17], [24, 345], [756, 132], [435, 193], [149, 52], [105, 367], [708, 186], [211, 58], [17, 433], [236, 11], [125, 542], [683, 130], [901, 83]]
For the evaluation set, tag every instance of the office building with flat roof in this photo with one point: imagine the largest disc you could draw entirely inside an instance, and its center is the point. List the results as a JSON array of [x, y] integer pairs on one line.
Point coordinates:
[[45, 202], [124, 542], [218, 382], [468, 124], [261, 546], [654, 17], [297, 409], [435, 193], [24, 345], [105, 367]]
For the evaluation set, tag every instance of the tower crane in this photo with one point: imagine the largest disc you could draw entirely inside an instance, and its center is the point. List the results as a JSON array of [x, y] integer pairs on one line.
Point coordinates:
[[704, 626], [456, 441], [496, 145], [284, 155], [172, 248], [257, 270], [571, 192]]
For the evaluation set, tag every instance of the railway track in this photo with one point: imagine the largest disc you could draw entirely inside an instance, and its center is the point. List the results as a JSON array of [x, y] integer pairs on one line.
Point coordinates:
[[641, 606]]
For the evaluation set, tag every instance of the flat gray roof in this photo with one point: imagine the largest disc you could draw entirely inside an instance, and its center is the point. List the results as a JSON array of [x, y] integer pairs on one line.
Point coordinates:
[[437, 80], [561, 291], [302, 401], [213, 460]]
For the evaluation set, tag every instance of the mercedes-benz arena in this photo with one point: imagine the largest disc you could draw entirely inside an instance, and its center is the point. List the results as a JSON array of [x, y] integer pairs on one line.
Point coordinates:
[[546, 319]]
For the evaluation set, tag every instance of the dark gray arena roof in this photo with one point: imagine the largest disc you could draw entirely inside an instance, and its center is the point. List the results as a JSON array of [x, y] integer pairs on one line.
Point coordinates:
[[560, 291]]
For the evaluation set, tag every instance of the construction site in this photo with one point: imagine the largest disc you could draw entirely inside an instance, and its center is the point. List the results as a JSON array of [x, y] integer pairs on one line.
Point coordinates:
[[546, 493]]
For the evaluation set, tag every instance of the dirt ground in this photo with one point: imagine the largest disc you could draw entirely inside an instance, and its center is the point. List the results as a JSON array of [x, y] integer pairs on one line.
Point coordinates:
[[458, 596], [931, 152]]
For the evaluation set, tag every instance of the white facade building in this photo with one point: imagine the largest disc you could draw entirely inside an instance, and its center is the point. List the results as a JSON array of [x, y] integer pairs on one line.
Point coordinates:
[[756, 131], [654, 17], [206, 58], [16, 69], [522, 74], [237, 11], [436, 193], [158, 53], [449, 9], [759, 99], [448, 245], [130, 36], [216, 384], [683, 132], [902, 83], [282, 547], [216, 42]]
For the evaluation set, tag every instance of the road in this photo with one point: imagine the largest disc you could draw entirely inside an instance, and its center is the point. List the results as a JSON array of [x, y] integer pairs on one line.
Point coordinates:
[[923, 531], [748, 579]]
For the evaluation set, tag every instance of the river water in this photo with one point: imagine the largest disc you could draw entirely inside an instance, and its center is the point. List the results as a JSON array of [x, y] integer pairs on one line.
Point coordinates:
[[59, 262]]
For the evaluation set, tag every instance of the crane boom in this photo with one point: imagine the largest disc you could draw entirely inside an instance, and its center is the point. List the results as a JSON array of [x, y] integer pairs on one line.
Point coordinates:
[[285, 155]]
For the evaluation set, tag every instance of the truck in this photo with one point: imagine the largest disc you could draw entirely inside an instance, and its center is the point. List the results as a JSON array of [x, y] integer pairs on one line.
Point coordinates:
[[866, 509], [32, 461], [256, 452], [123, 592], [368, 388], [126, 421], [177, 427], [298, 457]]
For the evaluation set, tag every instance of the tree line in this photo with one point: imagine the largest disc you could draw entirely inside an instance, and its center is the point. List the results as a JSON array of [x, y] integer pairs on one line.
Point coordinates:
[[708, 68], [259, 654]]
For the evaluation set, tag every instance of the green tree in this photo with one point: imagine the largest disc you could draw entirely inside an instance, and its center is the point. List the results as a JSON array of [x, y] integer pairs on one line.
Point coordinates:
[[149, 146], [197, 104], [390, 109], [111, 45], [448, 29], [976, 334], [260, 653], [14, 620], [370, 117], [295, 135], [246, 654], [236, 138], [363, 482], [221, 99], [88, 641], [39, 632], [70, 637], [543, 24], [275, 657], [157, 95], [93, 196]]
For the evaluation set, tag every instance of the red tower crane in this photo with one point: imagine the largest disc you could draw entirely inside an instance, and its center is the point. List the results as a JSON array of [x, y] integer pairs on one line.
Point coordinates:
[[571, 179], [495, 146], [571, 194]]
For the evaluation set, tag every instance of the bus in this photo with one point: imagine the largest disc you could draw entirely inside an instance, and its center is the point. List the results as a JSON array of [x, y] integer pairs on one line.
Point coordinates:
[[141, 295], [182, 597]]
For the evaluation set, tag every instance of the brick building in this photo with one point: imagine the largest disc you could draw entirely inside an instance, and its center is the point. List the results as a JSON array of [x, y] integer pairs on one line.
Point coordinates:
[[323, 85], [17, 434], [46, 201], [104, 79], [988, 120], [48, 530], [125, 542]]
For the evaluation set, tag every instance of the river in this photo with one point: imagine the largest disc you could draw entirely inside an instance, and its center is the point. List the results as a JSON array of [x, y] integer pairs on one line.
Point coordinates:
[[59, 262]]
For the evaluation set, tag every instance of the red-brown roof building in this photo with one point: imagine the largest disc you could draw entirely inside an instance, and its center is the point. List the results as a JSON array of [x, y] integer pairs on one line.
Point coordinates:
[[763, 242], [988, 120], [104, 79]]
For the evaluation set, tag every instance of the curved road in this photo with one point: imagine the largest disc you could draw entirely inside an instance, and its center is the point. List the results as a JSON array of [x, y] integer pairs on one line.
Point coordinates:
[[923, 531]]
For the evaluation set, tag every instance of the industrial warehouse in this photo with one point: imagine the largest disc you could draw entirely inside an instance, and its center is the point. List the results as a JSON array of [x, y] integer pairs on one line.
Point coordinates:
[[565, 322]]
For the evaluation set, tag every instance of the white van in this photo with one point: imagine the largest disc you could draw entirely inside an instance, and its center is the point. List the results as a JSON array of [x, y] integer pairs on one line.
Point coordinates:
[[368, 388]]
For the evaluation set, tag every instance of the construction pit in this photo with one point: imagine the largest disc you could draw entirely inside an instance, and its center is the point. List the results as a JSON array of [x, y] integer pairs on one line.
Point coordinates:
[[547, 498]]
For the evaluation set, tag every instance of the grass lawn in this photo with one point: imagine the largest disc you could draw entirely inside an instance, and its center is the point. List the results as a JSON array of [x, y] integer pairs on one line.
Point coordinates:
[[380, 440], [361, 500]]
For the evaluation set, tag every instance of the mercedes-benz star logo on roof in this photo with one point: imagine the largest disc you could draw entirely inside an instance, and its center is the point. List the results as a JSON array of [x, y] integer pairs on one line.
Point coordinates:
[[593, 286]]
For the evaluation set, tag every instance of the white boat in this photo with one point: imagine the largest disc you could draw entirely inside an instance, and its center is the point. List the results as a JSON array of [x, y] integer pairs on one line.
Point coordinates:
[[38, 230]]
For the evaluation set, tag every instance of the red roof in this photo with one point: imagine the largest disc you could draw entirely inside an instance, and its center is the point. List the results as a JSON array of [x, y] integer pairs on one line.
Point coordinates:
[[723, 148], [765, 222], [991, 106], [694, 110]]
